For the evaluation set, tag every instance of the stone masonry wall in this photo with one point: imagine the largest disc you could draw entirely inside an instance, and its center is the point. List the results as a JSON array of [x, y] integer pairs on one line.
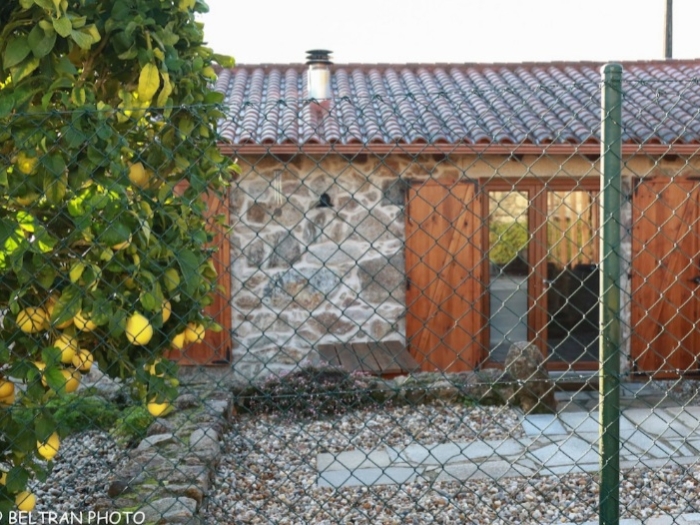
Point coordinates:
[[318, 257], [318, 246]]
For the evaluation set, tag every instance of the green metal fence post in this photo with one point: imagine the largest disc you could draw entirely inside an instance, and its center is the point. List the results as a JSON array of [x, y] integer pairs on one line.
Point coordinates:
[[611, 168]]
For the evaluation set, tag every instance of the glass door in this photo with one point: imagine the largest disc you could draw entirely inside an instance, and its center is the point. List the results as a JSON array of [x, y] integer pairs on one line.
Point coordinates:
[[572, 276], [543, 269]]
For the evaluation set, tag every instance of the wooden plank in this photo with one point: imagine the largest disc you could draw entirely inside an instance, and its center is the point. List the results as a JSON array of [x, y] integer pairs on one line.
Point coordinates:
[[377, 358], [329, 353], [444, 263], [399, 354], [665, 255], [386, 361], [348, 359], [365, 355]]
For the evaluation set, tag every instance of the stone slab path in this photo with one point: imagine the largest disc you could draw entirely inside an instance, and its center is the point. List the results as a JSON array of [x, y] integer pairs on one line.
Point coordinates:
[[652, 429]]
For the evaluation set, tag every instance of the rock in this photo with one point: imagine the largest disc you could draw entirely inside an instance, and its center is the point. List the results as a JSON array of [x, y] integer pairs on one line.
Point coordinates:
[[156, 440], [535, 391], [117, 488], [185, 401], [160, 426], [204, 443], [171, 510]]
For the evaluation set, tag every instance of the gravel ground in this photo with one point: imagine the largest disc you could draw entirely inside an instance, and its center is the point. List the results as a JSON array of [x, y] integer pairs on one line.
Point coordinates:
[[81, 473], [268, 475]]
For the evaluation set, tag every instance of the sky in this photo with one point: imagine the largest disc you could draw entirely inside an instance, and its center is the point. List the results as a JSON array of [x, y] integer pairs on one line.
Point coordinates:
[[456, 31]]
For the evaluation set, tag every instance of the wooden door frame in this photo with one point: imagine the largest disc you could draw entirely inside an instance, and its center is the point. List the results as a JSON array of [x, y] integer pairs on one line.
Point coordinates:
[[536, 190]]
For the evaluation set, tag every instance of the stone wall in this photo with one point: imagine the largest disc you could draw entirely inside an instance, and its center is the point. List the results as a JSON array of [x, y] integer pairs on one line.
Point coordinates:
[[318, 257], [318, 246]]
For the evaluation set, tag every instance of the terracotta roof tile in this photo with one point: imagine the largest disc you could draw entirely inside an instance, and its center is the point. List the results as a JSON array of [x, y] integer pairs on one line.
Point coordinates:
[[547, 103]]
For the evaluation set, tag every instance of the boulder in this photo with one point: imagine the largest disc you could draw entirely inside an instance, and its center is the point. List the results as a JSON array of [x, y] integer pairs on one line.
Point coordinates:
[[534, 392]]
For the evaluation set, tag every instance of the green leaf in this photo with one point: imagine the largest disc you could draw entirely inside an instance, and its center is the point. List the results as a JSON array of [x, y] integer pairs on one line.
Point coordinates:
[[44, 426], [149, 301], [55, 187], [26, 221], [62, 26], [115, 233], [54, 378], [54, 164], [65, 67], [83, 40], [76, 271], [67, 305], [24, 69], [224, 60], [149, 82], [18, 477], [40, 42], [7, 103], [17, 50]]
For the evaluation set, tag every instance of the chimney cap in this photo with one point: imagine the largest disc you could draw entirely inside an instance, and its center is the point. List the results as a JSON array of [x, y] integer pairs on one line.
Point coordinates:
[[318, 56]]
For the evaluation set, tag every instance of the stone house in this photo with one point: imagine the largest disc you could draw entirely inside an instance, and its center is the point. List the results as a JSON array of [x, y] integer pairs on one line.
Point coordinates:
[[367, 215]]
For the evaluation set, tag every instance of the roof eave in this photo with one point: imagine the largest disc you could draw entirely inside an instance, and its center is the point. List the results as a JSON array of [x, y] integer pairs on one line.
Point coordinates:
[[454, 149]]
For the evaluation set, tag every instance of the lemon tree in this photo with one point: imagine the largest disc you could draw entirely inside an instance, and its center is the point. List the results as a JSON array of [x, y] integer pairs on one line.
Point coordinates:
[[108, 143]]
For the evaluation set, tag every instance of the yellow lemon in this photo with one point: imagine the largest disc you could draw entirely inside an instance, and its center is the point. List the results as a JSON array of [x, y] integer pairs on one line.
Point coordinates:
[[167, 311], [82, 323], [172, 279], [179, 340], [7, 388], [41, 366], [139, 176], [72, 380], [25, 163], [25, 501], [151, 369], [138, 330], [32, 319], [68, 346], [49, 448], [194, 333], [8, 400], [83, 360], [158, 409]]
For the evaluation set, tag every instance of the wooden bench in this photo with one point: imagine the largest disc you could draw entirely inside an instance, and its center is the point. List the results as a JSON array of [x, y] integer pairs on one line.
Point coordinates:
[[383, 358]]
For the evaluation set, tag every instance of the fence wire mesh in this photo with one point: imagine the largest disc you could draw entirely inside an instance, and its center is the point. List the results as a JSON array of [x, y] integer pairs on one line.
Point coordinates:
[[408, 290]]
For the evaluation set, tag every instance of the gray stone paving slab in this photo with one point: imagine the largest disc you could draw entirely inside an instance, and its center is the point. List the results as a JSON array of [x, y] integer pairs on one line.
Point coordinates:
[[569, 469], [689, 416], [542, 424], [456, 452], [490, 470], [683, 519], [569, 450], [367, 477], [640, 443], [353, 459], [580, 421], [659, 422]]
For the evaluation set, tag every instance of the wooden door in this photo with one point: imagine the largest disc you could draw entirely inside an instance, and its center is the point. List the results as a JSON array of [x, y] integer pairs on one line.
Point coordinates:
[[665, 263], [215, 350], [446, 323]]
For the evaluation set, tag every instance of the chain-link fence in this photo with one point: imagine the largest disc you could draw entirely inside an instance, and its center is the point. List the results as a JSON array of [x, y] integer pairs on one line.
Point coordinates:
[[414, 292]]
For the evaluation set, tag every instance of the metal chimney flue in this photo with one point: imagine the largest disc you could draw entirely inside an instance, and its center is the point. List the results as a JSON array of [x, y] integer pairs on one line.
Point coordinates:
[[319, 74]]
